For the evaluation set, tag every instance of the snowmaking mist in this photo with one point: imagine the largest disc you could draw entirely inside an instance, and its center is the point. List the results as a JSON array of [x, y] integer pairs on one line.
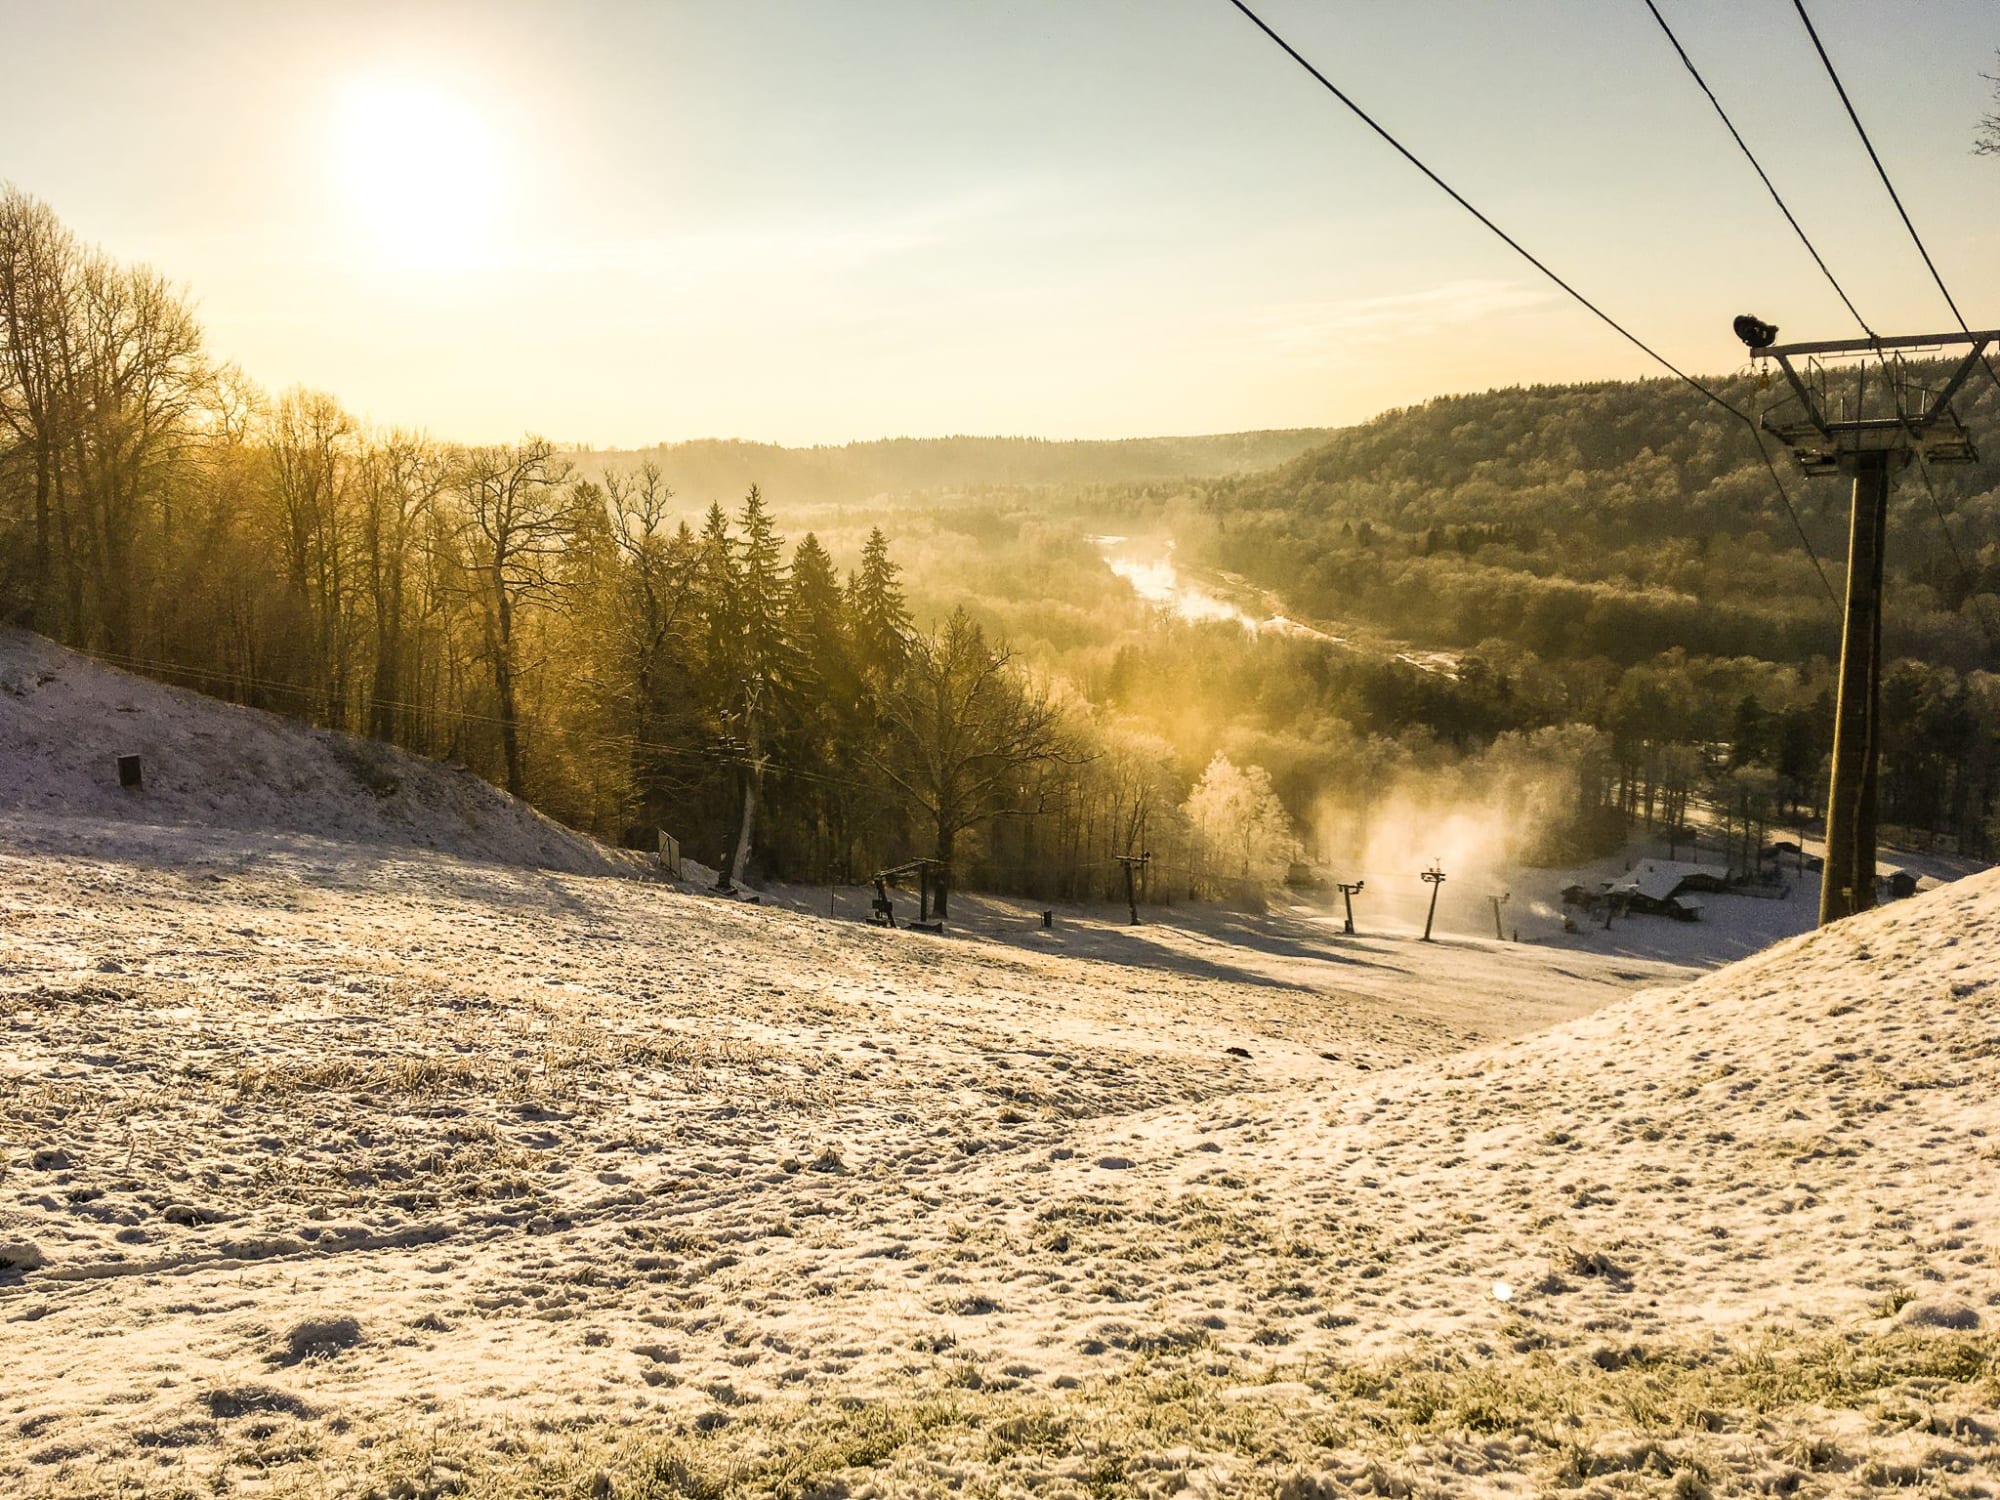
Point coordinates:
[[1527, 802]]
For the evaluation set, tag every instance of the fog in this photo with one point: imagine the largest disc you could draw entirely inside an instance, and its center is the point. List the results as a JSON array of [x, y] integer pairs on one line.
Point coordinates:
[[1495, 824]]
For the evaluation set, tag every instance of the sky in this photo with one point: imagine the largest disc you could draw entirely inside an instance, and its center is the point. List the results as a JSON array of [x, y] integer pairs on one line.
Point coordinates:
[[809, 221]]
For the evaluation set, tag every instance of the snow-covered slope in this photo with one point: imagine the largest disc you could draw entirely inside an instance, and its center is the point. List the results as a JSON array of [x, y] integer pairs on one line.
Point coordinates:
[[424, 1175], [65, 719]]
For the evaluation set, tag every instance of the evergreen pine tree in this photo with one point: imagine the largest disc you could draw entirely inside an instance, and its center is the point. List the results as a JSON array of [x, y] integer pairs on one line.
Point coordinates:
[[719, 593], [815, 618], [881, 622], [762, 596]]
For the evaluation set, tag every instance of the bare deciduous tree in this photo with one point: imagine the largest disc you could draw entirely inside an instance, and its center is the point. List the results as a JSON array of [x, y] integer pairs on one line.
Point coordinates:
[[312, 448], [658, 567], [139, 385], [962, 729], [517, 512], [400, 478], [39, 269], [1986, 140]]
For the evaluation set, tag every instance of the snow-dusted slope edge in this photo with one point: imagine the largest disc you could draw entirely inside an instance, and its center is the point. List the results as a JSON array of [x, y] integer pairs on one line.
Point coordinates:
[[65, 719], [427, 1174]]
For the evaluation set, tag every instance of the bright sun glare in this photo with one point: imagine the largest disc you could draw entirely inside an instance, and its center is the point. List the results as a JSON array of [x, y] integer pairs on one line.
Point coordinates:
[[421, 173]]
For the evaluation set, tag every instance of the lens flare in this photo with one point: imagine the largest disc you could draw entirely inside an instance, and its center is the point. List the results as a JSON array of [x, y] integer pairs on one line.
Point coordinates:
[[421, 173]]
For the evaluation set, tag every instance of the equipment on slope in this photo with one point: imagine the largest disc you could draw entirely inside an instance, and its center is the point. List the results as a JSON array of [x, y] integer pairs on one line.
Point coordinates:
[[1838, 421], [1433, 877], [1349, 889], [882, 910]]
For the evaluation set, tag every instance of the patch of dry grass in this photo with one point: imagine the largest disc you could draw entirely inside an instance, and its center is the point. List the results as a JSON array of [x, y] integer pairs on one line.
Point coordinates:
[[1672, 1422], [406, 1078]]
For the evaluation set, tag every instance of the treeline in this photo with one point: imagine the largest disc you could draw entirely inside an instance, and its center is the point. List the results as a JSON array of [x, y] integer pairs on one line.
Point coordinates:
[[1619, 519], [1615, 554], [852, 473], [802, 709], [564, 633]]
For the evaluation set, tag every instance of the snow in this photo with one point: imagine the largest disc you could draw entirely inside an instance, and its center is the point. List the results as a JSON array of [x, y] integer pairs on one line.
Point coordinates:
[[65, 720], [337, 1163], [1657, 879]]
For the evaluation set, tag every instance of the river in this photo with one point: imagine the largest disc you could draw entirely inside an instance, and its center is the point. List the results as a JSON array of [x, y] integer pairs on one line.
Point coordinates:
[[1149, 567]]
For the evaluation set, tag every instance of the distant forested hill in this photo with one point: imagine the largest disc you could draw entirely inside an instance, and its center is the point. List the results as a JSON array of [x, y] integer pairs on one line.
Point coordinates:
[[1616, 519], [854, 472]]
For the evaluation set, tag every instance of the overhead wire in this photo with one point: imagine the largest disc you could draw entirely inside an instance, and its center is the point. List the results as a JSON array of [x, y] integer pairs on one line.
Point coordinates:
[[1762, 176], [1966, 576], [1532, 259], [1968, 580], [1881, 171]]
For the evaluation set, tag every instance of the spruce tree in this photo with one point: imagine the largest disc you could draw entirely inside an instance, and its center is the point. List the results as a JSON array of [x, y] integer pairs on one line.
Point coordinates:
[[881, 621], [815, 618], [719, 595], [767, 655]]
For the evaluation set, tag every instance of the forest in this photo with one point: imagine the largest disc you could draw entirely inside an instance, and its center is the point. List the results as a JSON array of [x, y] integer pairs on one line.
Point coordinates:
[[563, 624], [1616, 554], [811, 664], [1618, 519]]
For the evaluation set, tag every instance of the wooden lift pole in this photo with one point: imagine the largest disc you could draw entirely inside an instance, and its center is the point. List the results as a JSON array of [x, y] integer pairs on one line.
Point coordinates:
[[1848, 885], [1433, 877], [1857, 409], [729, 749], [1348, 890], [1133, 862]]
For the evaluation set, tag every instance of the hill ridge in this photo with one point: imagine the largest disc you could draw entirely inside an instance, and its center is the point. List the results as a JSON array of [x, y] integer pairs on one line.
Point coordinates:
[[65, 718]]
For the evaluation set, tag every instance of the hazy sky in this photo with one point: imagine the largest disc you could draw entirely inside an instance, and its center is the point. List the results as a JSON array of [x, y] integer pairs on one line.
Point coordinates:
[[815, 220]]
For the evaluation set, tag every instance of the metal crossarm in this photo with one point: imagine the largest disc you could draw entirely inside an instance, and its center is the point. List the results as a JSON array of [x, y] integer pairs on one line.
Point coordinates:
[[1870, 346], [1903, 417]]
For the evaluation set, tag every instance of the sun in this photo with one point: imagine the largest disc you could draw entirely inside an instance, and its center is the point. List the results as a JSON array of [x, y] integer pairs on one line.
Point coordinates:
[[421, 175]]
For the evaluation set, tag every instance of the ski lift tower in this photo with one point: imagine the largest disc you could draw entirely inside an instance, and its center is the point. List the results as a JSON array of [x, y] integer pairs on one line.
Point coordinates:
[[1857, 408]]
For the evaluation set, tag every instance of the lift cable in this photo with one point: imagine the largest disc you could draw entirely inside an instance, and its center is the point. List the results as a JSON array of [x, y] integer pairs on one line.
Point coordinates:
[[1883, 172], [1967, 579], [1518, 248], [1833, 75], [1763, 176]]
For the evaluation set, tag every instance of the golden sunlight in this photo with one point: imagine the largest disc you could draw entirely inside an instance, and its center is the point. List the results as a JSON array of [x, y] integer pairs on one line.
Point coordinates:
[[421, 173]]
